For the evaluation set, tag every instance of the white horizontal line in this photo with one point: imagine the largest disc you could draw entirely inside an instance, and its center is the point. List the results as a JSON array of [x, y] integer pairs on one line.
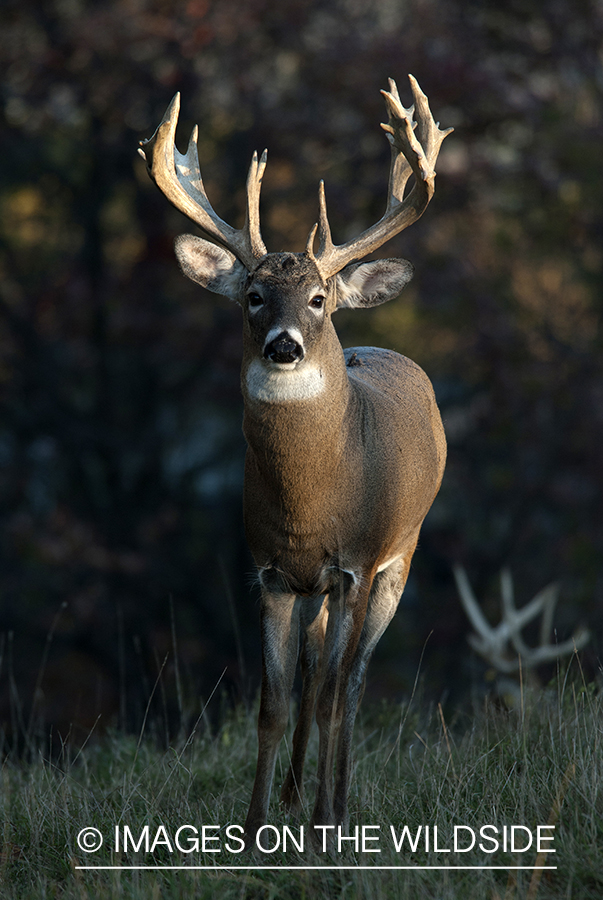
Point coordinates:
[[330, 868]]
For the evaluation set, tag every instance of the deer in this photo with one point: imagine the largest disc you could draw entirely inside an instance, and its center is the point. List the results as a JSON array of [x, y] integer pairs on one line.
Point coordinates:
[[345, 449]]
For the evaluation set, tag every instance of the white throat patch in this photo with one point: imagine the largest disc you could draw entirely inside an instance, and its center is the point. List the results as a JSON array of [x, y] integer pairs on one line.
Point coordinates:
[[285, 383]]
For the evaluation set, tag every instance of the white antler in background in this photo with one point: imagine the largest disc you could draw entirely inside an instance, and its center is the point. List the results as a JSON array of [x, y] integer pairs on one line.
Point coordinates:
[[492, 643]]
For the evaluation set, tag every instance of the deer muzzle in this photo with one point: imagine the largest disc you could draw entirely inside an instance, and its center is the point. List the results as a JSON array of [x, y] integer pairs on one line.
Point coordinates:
[[283, 349]]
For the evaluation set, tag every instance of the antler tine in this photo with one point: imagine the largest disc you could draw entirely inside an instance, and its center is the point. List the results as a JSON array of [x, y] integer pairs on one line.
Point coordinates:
[[428, 132], [400, 169], [488, 642], [178, 176], [406, 150], [325, 243], [519, 618], [254, 186], [513, 620], [551, 652], [470, 604], [410, 154]]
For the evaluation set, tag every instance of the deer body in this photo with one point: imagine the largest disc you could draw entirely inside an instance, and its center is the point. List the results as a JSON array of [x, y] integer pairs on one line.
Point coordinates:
[[346, 451], [320, 486]]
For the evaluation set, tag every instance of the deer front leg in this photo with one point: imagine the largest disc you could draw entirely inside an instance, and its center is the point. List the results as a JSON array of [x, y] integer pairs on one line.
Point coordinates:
[[279, 618], [313, 620]]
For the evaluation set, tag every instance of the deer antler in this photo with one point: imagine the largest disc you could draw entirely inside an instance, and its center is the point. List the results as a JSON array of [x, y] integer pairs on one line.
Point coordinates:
[[179, 177], [414, 150], [491, 643]]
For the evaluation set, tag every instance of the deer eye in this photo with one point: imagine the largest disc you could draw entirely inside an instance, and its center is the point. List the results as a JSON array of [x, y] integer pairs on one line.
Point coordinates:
[[317, 302], [254, 299]]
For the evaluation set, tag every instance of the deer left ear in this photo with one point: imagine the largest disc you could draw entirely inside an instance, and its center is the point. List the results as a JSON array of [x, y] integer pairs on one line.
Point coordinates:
[[369, 284]]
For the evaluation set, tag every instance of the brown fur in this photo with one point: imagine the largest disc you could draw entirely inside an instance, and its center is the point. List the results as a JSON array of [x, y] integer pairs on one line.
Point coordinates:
[[322, 483]]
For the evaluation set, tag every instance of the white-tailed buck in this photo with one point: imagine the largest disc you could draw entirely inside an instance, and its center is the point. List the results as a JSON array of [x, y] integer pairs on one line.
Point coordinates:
[[346, 450]]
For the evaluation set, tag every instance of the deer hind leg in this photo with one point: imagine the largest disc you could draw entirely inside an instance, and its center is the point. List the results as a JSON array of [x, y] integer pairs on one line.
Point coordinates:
[[279, 619], [347, 605], [358, 624], [383, 601], [313, 622]]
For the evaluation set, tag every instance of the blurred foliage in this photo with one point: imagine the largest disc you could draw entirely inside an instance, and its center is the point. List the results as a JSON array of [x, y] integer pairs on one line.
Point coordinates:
[[120, 443]]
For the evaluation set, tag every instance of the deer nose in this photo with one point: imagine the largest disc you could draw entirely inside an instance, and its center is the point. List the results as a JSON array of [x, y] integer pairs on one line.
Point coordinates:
[[283, 349]]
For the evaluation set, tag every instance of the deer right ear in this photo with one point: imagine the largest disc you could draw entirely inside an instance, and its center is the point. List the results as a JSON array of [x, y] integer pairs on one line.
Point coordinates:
[[210, 266]]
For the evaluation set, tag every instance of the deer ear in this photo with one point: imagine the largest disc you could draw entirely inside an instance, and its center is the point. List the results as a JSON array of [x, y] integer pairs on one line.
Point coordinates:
[[369, 284], [211, 266]]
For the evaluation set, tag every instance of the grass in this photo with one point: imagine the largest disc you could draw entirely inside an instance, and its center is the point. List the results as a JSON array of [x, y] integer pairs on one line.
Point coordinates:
[[541, 764]]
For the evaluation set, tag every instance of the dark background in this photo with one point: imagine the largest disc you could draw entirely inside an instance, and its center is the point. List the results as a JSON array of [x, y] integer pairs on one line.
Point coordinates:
[[121, 451]]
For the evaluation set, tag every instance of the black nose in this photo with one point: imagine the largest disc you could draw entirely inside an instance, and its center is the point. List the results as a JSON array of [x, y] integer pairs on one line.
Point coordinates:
[[283, 349]]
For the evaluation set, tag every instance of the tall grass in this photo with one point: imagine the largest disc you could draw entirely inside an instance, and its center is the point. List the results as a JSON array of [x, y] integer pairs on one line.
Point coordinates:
[[540, 764]]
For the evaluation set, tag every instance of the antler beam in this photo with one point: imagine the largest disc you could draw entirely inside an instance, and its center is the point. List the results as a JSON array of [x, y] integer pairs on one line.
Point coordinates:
[[179, 177]]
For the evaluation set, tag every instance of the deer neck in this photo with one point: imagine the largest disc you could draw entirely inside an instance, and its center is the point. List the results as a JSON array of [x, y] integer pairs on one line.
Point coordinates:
[[294, 420]]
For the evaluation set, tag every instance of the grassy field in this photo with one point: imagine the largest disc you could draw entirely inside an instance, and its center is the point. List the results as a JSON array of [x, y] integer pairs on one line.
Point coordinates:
[[538, 765]]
